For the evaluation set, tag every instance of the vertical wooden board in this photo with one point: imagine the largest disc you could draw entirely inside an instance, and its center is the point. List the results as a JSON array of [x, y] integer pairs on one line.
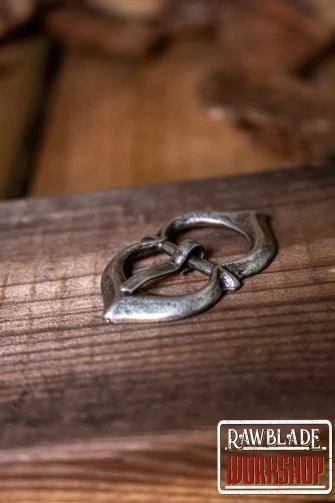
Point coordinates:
[[114, 124], [22, 68]]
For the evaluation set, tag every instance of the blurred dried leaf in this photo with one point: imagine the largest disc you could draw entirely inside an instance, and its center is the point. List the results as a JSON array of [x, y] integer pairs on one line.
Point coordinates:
[[184, 15], [110, 35], [144, 9], [326, 10], [270, 35], [13, 13], [286, 114]]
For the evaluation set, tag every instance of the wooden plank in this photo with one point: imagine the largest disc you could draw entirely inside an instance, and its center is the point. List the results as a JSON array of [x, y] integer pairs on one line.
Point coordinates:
[[22, 67], [114, 124], [125, 413]]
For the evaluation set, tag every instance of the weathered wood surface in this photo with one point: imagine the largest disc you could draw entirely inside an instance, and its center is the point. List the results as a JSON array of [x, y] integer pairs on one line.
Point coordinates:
[[127, 413]]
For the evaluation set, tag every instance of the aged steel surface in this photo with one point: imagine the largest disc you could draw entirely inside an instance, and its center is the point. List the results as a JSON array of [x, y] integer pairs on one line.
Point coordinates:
[[121, 305]]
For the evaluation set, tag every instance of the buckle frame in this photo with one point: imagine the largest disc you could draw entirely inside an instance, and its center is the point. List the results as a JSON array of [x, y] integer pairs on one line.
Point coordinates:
[[122, 305]]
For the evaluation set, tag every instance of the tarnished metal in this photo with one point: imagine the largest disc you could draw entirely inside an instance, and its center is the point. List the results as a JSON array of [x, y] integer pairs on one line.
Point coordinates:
[[123, 300]]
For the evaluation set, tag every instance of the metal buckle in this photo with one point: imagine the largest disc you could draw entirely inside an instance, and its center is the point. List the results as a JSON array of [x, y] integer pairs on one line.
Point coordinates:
[[122, 298]]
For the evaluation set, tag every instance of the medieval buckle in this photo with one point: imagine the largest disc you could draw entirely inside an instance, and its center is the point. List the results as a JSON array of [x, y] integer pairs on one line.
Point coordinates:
[[123, 299]]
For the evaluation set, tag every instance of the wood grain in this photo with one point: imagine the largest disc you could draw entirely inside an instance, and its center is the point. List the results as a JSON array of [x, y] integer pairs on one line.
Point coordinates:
[[127, 413], [114, 124]]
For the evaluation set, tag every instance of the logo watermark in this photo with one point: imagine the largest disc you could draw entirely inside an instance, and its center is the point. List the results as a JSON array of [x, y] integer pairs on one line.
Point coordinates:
[[275, 457]]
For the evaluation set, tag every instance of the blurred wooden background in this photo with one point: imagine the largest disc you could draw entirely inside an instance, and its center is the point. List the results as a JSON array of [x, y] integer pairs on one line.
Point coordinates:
[[119, 124], [100, 94]]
